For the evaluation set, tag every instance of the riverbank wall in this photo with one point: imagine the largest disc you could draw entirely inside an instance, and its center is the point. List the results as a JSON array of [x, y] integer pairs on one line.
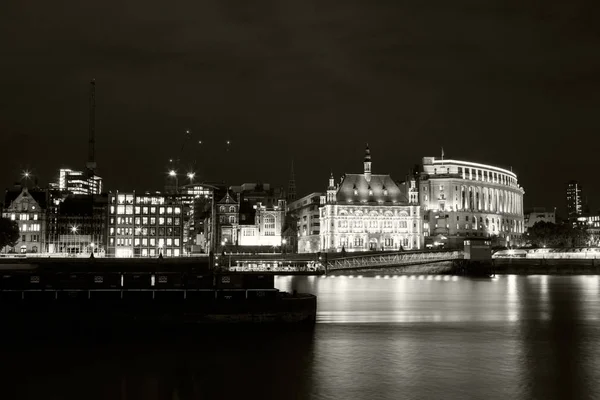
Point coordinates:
[[530, 266]]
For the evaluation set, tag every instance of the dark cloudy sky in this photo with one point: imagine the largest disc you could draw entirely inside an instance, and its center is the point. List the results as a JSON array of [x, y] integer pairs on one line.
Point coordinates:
[[506, 82]]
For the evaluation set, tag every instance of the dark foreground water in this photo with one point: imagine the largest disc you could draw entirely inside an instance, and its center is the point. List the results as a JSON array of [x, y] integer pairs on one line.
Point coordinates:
[[415, 337]]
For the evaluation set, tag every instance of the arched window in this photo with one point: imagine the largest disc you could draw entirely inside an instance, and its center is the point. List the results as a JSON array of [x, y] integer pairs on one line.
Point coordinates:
[[232, 209], [222, 209], [231, 219]]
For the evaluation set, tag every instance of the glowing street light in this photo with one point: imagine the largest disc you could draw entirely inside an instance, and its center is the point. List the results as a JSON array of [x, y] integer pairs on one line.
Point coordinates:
[[172, 173], [191, 175], [74, 229]]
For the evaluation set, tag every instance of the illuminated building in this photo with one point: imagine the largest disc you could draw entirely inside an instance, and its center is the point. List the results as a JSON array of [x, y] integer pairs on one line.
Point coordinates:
[[464, 199], [28, 209], [368, 212], [197, 204], [575, 206], [77, 182], [591, 224], [539, 215], [145, 225], [305, 213], [251, 215]]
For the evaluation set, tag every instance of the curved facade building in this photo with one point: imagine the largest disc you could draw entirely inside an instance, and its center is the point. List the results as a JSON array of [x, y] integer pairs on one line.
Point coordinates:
[[465, 199]]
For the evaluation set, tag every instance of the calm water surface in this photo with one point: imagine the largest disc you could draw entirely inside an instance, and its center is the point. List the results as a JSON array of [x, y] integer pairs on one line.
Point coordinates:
[[425, 337]]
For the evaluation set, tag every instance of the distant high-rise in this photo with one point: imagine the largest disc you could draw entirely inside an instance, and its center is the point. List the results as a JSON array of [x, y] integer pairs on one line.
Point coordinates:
[[574, 200], [78, 182]]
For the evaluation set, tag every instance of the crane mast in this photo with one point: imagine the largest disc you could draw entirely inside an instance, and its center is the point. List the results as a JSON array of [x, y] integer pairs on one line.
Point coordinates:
[[91, 163]]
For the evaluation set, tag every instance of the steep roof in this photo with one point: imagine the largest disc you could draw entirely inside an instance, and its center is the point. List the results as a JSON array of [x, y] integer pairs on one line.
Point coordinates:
[[39, 196], [228, 199], [380, 189]]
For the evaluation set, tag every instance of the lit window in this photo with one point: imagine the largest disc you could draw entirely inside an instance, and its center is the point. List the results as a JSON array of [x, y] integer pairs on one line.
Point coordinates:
[[161, 221], [177, 210], [169, 242], [169, 210], [176, 240], [35, 217], [12, 217]]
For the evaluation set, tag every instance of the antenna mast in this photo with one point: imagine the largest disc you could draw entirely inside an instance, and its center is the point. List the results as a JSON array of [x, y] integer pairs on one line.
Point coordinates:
[[91, 164]]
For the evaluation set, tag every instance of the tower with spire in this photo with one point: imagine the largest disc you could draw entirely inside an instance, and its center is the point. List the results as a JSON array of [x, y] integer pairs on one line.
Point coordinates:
[[291, 191], [367, 163], [331, 190]]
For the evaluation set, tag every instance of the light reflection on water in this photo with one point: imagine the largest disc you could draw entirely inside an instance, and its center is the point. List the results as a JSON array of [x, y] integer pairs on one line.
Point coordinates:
[[449, 337]]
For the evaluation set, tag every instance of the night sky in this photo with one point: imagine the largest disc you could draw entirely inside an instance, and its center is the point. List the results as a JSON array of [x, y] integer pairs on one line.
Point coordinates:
[[510, 83]]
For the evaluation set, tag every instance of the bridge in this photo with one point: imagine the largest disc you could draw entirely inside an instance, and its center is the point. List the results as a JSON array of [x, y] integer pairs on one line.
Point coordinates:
[[395, 259]]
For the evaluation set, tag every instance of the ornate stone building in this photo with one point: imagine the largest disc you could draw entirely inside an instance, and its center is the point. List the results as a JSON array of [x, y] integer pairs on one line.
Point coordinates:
[[369, 212], [251, 215]]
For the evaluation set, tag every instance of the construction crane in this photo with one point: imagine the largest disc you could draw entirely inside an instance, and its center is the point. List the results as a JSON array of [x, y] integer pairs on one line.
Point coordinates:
[[175, 163], [91, 163]]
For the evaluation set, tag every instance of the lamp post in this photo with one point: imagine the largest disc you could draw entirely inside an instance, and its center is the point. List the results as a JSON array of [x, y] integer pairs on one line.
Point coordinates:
[[74, 232], [173, 174], [283, 245]]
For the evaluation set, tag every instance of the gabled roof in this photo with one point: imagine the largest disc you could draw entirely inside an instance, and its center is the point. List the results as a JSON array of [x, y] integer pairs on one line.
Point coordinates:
[[16, 196], [379, 189], [228, 199]]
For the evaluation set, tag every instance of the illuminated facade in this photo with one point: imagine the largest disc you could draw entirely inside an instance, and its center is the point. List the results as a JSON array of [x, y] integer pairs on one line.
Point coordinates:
[[575, 207], [77, 182], [197, 200], [145, 225], [464, 199], [591, 224], [368, 212], [28, 209], [251, 215], [305, 213]]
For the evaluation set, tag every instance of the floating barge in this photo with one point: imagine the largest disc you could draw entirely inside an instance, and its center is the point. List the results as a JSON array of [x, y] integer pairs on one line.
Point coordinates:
[[81, 292]]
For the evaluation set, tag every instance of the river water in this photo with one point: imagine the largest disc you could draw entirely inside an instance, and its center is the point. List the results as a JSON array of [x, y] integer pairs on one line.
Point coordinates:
[[418, 337]]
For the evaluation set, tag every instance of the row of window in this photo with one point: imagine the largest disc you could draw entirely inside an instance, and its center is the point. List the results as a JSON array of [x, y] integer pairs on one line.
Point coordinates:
[[144, 231], [24, 217], [32, 238], [360, 242], [144, 242], [372, 224], [137, 210], [30, 228], [146, 220]]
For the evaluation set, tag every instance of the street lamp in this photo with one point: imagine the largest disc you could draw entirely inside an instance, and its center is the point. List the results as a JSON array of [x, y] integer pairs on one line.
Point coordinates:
[[283, 244], [191, 176], [74, 231], [173, 174]]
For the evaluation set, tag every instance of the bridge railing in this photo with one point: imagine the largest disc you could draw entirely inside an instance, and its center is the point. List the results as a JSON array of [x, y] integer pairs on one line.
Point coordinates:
[[387, 259]]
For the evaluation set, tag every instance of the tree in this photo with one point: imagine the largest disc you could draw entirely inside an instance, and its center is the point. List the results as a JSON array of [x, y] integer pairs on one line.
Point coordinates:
[[9, 233], [547, 234]]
